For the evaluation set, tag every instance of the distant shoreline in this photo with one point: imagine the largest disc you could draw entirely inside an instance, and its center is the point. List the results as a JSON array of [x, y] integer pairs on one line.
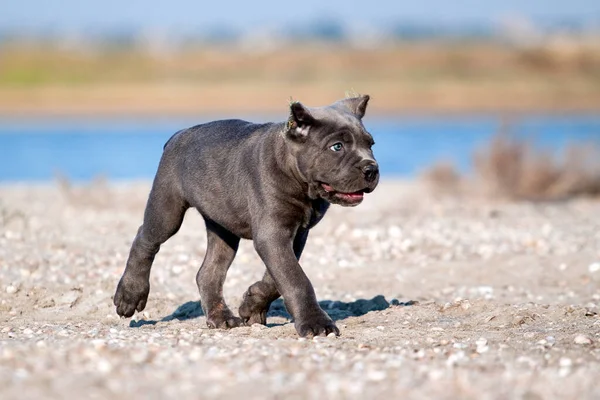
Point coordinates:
[[278, 115], [216, 100], [411, 78]]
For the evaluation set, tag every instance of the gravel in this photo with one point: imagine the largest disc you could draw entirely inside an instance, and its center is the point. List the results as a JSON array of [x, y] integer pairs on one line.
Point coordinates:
[[435, 298]]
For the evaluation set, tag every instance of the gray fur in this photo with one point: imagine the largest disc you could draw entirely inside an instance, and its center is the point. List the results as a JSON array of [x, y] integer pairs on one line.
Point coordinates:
[[269, 183]]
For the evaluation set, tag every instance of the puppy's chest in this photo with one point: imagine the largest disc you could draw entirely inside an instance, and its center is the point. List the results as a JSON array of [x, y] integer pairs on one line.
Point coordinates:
[[315, 213]]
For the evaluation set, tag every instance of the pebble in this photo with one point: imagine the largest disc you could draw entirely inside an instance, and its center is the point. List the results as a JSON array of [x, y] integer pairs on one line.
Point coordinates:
[[582, 339], [98, 344], [104, 366], [594, 267], [486, 291], [565, 362], [183, 257], [482, 346], [394, 231], [10, 289], [177, 269], [376, 376], [454, 358], [562, 267], [140, 356]]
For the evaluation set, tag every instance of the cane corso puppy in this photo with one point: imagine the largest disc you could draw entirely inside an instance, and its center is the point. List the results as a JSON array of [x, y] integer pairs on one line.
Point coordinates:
[[267, 182]]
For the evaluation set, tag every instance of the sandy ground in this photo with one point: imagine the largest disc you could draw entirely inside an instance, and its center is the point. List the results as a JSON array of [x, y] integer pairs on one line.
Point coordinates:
[[489, 300]]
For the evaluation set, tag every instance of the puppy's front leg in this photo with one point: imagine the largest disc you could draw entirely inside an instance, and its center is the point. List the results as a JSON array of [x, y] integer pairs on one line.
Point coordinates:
[[274, 246]]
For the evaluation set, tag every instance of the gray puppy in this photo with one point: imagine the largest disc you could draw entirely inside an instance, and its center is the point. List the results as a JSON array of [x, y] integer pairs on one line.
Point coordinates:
[[267, 182]]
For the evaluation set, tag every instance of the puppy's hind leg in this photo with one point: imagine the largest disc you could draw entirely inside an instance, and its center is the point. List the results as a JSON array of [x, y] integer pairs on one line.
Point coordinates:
[[220, 252], [162, 219], [258, 298]]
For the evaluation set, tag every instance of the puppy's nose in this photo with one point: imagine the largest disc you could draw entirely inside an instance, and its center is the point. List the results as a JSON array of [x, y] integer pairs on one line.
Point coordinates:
[[371, 171]]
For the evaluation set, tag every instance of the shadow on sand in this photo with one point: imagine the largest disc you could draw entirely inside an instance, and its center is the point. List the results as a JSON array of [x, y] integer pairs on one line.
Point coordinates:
[[188, 310], [337, 310]]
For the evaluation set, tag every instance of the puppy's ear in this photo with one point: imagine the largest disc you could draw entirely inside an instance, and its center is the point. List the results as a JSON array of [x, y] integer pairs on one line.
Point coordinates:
[[300, 121], [357, 105]]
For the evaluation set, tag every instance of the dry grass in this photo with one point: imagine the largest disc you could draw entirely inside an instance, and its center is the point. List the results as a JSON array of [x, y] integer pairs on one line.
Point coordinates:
[[514, 168], [443, 177], [95, 194], [417, 62], [421, 76], [8, 216]]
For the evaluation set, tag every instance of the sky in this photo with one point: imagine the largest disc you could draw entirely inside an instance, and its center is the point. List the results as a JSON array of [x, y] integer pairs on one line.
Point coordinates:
[[82, 15]]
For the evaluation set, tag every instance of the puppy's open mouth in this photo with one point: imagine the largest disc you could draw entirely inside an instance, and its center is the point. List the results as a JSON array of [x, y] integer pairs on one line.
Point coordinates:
[[354, 197]]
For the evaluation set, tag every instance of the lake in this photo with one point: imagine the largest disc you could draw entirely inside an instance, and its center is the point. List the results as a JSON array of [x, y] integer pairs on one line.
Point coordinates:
[[130, 148]]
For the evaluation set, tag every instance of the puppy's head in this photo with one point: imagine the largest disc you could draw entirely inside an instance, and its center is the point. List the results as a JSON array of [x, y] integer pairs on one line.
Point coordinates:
[[332, 150]]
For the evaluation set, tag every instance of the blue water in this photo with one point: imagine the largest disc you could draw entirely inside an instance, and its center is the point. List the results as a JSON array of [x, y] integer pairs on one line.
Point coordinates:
[[131, 148]]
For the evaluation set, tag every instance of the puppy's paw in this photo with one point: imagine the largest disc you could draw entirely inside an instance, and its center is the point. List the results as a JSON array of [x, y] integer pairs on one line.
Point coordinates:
[[253, 309], [320, 325], [223, 319], [131, 295]]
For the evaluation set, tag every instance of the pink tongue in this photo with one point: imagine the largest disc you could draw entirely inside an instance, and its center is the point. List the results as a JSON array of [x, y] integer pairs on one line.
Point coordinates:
[[355, 195]]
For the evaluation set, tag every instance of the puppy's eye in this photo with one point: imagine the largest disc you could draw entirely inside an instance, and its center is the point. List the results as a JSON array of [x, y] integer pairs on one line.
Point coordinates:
[[336, 147]]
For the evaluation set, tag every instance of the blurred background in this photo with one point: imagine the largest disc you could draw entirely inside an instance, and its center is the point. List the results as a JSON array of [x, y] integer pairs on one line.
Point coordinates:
[[95, 89]]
